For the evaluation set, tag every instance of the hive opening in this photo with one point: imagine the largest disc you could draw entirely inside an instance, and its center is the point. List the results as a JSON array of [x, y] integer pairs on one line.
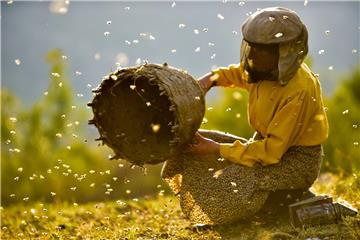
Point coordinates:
[[140, 116]]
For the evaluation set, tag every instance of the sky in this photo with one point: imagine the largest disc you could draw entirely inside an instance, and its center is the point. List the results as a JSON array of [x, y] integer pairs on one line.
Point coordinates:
[[97, 37]]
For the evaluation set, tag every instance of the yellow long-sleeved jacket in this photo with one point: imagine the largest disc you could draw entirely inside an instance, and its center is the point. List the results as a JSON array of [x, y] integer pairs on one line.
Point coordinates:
[[285, 116]]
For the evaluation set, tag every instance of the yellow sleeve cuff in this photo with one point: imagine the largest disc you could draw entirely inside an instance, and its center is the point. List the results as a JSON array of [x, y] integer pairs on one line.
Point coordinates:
[[220, 78], [227, 76], [231, 76], [235, 152]]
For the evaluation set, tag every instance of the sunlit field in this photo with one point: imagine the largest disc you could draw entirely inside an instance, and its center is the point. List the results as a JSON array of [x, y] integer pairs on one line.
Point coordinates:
[[160, 217], [57, 180]]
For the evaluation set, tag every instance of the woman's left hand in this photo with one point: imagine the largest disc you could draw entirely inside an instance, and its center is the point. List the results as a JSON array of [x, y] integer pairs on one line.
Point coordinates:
[[203, 146]]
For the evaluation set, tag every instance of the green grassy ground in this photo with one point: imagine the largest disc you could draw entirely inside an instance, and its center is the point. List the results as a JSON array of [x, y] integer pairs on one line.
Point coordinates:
[[161, 218]]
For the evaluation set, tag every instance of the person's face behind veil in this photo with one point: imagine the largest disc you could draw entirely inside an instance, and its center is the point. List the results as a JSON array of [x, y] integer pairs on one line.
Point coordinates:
[[262, 62]]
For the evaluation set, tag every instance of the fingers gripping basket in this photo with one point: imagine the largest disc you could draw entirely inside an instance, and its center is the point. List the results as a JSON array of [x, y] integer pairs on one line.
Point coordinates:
[[147, 113]]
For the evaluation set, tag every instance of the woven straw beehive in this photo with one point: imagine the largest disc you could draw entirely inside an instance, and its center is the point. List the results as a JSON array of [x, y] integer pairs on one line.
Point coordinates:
[[147, 113]]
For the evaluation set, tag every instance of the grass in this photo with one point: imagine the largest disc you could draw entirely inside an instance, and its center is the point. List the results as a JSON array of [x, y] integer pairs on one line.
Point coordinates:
[[161, 218]]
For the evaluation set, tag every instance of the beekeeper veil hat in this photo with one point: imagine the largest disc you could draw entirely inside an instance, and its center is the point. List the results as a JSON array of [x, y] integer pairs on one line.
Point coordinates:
[[281, 26]]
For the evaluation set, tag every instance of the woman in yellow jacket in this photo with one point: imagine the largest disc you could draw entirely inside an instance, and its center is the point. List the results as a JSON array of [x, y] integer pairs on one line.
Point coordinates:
[[285, 108]]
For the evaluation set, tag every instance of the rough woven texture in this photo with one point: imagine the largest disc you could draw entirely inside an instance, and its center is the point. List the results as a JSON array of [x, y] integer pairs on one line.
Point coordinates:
[[217, 191], [147, 113]]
